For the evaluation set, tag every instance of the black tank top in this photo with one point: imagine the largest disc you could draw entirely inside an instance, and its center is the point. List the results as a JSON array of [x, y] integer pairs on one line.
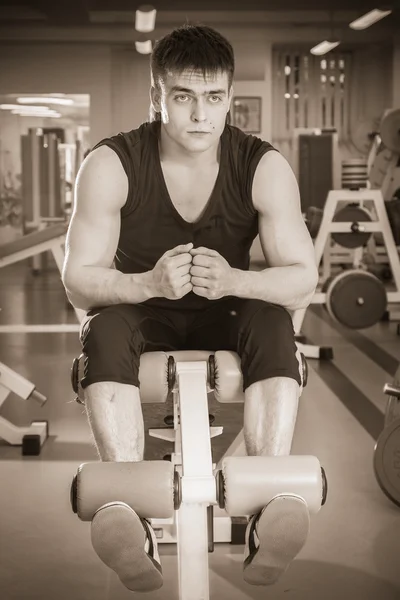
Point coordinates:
[[150, 224]]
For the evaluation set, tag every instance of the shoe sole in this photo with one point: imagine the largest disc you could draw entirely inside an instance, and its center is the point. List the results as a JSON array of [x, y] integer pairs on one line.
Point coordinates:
[[282, 529], [118, 537]]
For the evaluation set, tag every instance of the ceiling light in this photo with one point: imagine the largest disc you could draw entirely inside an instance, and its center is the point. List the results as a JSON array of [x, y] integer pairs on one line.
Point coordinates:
[[42, 115], [369, 19], [145, 18], [144, 47], [19, 107], [323, 47], [61, 101]]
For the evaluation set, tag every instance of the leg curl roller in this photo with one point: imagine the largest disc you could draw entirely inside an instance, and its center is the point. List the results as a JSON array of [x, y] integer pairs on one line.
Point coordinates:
[[151, 488], [247, 483]]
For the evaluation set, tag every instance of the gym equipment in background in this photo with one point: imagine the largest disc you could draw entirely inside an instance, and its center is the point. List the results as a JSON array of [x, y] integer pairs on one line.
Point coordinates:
[[387, 448], [179, 496], [356, 299], [30, 438], [316, 164], [48, 239]]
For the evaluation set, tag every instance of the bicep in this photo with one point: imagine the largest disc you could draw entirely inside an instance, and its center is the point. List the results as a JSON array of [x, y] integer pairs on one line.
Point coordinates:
[[100, 192], [284, 237]]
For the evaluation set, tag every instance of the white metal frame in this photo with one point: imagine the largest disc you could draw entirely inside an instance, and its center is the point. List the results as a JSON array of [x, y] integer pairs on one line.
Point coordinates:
[[329, 226], [192, 458], [10, 381]]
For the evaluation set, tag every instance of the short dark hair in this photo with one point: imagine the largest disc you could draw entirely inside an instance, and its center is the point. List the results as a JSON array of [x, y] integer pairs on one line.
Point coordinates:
[[192, 48]]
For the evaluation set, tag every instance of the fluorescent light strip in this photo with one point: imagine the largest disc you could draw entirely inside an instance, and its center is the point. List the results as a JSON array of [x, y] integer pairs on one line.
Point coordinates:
[[323, 47], [26, 108], [144, 47], [42, 115], [145, 18], [31, 100], [369, 19]]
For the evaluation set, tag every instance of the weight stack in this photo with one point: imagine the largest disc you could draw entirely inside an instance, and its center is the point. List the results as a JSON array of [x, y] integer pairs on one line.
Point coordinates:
[[354, 174]]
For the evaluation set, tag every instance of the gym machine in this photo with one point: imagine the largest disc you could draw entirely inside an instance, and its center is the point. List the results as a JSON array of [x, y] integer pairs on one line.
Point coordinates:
[[355, 297], [178, 495], [49, 239], [355, 219], [386, 459], [30, 438]]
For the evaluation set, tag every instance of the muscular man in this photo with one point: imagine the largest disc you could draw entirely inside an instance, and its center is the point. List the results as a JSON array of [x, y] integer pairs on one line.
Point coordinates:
[[158, 254]]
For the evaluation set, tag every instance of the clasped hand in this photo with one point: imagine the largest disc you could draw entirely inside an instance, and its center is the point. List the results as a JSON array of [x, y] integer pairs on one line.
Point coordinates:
[[210, 274], [184, 269]]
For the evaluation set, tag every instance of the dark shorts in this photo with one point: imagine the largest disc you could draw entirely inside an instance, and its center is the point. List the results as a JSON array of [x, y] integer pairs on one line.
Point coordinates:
[[113, 338]]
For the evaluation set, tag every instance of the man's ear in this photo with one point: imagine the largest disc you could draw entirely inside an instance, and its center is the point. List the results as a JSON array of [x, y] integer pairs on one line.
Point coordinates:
[[155, 98]]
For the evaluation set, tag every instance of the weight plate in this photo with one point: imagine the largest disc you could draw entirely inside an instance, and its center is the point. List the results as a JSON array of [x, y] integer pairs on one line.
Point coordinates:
[[356, 299], [390, 130], [387, 461], [352, 214]]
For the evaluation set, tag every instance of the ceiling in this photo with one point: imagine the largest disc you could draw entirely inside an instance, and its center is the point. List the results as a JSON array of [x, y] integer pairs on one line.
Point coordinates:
[[87, 12]]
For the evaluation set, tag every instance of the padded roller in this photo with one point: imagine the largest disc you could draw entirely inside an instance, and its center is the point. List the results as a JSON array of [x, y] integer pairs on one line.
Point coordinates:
[[228, 377], [153, 374], [153, 377], [149, 487], [251, 482]]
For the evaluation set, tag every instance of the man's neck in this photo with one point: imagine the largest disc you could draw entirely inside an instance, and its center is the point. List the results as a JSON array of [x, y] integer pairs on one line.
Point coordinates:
[[172, 152]]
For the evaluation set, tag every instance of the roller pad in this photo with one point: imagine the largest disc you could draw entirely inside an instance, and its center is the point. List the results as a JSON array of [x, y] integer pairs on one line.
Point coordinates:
[[274, 537], [127, 545]]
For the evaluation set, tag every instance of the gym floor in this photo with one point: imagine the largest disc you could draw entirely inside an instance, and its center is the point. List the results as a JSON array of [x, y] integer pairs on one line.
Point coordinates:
[[45, 550]]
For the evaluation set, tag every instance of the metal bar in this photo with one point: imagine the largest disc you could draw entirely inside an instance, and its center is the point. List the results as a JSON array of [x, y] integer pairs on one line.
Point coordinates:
[[198, 482]]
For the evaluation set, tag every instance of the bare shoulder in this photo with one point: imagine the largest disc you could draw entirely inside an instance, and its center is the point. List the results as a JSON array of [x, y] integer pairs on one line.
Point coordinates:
[[102, 178], [274, 179]]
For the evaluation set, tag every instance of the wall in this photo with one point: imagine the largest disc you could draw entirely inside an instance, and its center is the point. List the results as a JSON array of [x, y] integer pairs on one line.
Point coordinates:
[[62, 68], [117, 77]]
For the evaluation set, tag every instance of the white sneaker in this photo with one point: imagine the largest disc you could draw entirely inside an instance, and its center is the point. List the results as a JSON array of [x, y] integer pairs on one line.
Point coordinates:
[[127, 544], [274, 537]]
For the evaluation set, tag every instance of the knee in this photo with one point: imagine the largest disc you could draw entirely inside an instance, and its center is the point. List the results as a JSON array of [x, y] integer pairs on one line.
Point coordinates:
[[269, 348], [270, 324]]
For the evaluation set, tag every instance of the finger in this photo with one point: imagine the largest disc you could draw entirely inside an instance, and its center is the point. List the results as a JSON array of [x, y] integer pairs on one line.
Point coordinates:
[[200, 260], [199, 291], [204, 251], [200, 282], [199, 271], [179, 249], [182, 259]]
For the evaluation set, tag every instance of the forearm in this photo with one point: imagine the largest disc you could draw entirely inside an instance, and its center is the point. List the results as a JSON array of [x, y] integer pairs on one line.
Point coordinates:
[[98, 286], [291, 286]]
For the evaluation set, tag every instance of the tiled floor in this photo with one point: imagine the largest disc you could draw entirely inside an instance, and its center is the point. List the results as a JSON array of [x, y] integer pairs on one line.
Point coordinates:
[[45, 551]]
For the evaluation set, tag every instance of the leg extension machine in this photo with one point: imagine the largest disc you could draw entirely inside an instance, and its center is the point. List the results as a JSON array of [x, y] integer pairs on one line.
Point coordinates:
[[177, 494]]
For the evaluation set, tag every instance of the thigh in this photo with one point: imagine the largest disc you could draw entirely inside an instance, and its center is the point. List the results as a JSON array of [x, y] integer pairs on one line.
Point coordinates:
[[222, 325], [114, 337], [261, 333], [111, 324]]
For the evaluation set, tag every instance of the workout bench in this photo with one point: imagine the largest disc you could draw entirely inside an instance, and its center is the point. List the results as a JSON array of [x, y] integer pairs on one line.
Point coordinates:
[[179, 496]]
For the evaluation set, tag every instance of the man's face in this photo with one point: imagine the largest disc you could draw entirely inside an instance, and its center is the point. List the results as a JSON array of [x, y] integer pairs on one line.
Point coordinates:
[[193, 109]]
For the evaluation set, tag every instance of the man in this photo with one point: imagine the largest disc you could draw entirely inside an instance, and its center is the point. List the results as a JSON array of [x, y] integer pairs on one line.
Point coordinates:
[[158, 253]]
